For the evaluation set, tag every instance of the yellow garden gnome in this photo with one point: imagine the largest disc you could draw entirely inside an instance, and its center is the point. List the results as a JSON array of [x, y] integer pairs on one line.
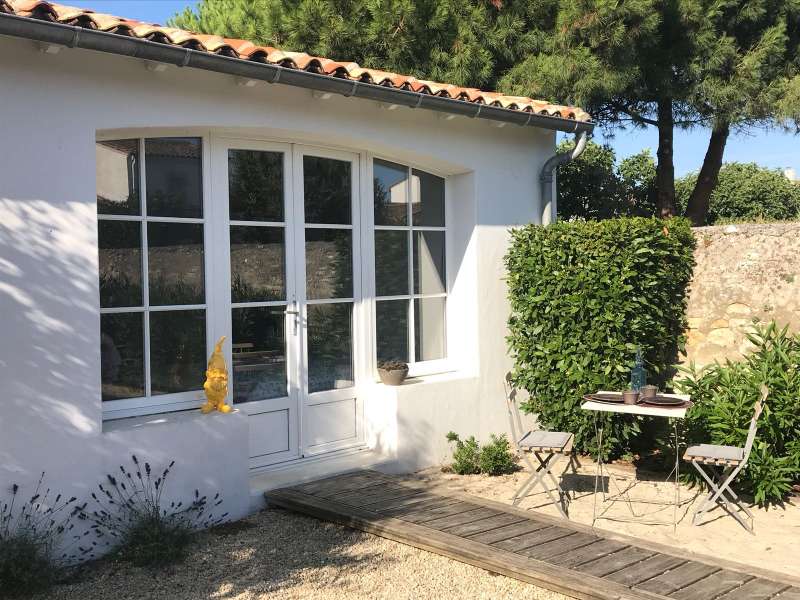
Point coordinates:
[[216, 385]]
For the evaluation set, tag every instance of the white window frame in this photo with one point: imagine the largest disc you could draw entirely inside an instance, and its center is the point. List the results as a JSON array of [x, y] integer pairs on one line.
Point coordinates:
[[415, 368], [161, 403]]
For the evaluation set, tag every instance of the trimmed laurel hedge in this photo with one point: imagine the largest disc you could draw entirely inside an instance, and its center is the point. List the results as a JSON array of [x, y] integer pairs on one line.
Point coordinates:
[[583, 296]]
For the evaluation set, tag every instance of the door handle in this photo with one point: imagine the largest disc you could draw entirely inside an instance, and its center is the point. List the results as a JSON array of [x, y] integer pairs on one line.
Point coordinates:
[[296, 319]]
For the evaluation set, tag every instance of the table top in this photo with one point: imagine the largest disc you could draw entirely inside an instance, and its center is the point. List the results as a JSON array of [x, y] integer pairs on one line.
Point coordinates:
[[639, 409]]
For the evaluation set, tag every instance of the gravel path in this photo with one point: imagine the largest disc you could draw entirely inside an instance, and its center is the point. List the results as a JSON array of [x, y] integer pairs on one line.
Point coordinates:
[[277, 554]]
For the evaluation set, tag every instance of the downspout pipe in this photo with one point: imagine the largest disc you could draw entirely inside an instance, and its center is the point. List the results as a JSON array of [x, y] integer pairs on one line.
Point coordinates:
[[547, 175]]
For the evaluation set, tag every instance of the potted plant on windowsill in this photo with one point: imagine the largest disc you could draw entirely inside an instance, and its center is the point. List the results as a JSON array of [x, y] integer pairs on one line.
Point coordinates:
[[392, 372]]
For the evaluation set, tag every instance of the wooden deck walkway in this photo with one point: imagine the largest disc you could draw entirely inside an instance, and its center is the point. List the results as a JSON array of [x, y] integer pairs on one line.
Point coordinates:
[[552, 553]]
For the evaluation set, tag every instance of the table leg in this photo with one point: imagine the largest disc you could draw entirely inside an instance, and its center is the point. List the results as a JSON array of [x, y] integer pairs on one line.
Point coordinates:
[[677, 477], [598, 436]]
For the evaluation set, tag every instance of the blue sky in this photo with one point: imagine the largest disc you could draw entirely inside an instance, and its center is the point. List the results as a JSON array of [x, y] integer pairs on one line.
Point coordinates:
[[769, 148]]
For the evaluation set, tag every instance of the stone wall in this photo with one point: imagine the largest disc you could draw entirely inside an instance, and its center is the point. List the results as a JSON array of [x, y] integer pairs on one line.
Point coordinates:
[[745, 274]]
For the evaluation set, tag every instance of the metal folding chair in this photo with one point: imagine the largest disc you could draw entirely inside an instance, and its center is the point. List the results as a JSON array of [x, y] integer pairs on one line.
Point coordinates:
[[547, 446], [724, 463]]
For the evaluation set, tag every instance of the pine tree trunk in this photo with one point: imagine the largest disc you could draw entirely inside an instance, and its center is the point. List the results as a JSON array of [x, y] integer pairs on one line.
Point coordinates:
[[665, 170], [697, 209]]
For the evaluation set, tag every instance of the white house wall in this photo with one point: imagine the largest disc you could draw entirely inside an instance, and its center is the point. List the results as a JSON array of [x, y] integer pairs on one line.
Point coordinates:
[[51, 108]]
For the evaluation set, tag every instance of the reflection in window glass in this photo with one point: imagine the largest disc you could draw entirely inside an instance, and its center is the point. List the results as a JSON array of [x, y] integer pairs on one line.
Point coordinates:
[[259, 353], [257, 264], [429, 340], [175, 261], [391, 263], [120, 263], [177, 350], [429, 262], [327, 190], [427, 199], [330, 346], [329, 263], [117, 177], [255, 185], [390, 187], [174, 177], [122, 355], [391, 320]]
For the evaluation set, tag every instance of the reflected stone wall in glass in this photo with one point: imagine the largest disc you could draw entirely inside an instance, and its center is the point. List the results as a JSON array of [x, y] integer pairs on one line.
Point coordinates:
[[429, 328], [117, 177], [174, 177], [259, 353], [255, 185], [391, 263], [122, 355], [257, 264], [177, 351], [390, 183], [120, 263], [330, 346], [391, 321], [429, 262], [175, 261], [329, 263]]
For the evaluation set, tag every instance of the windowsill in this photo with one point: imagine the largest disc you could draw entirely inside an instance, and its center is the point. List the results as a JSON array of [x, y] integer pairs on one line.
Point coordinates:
[[161, 419], [443, 376]]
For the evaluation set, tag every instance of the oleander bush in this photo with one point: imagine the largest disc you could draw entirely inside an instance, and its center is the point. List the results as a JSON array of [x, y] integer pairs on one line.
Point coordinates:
[[466, 455], [493, 458], [584, 296], [724, 395], [33, 533], [130, 516]]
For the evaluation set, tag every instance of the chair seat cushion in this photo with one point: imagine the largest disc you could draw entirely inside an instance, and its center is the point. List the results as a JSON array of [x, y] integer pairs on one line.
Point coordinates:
[[713, 453], [545, 439]]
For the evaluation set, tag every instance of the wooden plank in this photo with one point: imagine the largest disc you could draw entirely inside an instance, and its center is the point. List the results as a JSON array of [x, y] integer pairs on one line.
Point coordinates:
[[712, 586], [647, 569], [375, 493], [388, 504], [499, 520], [434, 513], [539, 573], [470, 516], [755, 589], [790, 594], [534, 538], [615, 562], [558, 546], [342, 483], [572, 559], [436, 502], [507, 532], [677, 578]]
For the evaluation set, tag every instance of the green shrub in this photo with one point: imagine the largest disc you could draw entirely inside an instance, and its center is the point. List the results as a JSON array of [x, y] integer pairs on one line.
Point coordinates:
[[130, 516], [31, 533], [584, 296], [466, 456], [496, 457], [724, 395]]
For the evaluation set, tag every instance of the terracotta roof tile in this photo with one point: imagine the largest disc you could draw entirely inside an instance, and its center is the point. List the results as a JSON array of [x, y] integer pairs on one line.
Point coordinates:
[[246, 50]]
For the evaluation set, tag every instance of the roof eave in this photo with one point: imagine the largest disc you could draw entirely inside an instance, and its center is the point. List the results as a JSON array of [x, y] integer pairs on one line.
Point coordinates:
[[89, 39]]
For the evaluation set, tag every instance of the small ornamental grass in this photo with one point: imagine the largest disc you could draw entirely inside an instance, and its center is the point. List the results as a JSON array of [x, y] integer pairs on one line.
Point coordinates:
[[493, 458], [32, 533], [130, 516]]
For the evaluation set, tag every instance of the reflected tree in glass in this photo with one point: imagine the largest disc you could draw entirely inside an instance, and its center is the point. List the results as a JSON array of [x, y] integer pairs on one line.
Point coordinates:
[[330, 346], [177, 351], [174, 177], [122, 355], [255, 185], [120, 263]]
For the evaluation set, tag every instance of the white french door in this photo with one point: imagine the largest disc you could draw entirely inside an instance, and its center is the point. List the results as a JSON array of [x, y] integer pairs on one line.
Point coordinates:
[[288, 280]]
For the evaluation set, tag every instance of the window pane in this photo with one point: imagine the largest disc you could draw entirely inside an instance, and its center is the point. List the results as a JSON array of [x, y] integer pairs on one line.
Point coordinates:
[[122, 355], [177, 351], [259, 353], [117, 177], [329, 263], [257, 264], [427, 199], [429, 262], [174, 175], [175, 256], [429, 328], [120, 263], [327, 190], [330, 346], [391, 263], [390, 185], [255, 185], [391, 320]]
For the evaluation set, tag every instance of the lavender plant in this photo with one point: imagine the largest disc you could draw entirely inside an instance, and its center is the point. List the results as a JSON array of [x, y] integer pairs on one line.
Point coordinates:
[[130, 516], [32, 535]]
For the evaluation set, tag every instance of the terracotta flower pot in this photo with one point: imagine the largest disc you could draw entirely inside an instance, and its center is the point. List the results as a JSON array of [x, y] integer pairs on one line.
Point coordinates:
[[630, 396], [393, 376]]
